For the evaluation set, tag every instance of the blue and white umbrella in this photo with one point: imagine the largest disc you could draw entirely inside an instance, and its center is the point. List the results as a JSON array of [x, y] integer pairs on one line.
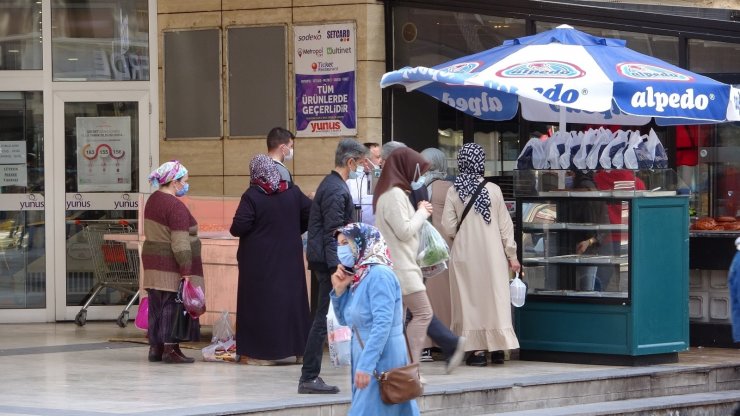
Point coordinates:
[[567, 74]]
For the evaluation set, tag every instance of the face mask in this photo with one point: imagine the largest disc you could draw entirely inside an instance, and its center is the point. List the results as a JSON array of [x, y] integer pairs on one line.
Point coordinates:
[[353, 173], [417, 184], [182, 191], [289, 156], [345, 255]]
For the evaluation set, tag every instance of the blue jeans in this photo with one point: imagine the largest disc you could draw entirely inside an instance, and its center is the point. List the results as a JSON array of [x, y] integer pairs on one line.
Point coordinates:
[[317, 335], [442, 336], [733, 280]]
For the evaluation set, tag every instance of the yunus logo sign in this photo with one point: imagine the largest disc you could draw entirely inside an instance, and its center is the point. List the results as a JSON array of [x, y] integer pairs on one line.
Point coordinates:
[[462, 67], [645, 72], [542, 69]]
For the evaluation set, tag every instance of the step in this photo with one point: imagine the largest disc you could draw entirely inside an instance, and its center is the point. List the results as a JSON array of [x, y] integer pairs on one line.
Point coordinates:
[[720, 403]]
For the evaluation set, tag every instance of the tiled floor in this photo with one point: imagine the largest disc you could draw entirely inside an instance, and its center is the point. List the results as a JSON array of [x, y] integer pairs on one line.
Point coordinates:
[[60, 369]]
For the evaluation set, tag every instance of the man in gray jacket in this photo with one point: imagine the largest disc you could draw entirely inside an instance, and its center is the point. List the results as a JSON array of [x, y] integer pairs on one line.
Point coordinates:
[[332, 208]]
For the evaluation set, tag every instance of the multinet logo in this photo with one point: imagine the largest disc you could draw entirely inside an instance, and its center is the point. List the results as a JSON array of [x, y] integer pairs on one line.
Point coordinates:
[[645, 72], [543, 69], [343, 35], [462, 67]]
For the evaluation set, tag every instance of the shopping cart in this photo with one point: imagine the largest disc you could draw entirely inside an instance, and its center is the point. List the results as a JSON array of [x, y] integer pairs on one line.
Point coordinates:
[[116, 267]]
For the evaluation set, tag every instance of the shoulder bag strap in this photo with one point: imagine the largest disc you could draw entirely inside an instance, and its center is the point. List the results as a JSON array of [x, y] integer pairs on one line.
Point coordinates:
[[362, 344], [471, 202]]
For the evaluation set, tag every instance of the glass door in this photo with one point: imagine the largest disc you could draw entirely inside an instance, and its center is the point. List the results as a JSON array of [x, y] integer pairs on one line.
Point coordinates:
[[101, 144]]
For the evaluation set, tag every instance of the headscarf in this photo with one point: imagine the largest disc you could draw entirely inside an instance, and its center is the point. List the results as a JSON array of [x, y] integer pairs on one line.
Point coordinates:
[[371, 248], [265, 175], [437, 164], [168, 172], [399, 170], [471, 163]]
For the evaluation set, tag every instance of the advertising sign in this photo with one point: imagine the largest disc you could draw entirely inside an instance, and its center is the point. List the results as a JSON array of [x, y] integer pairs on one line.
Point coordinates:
[[325, 66], [103, 154], [13, 163]]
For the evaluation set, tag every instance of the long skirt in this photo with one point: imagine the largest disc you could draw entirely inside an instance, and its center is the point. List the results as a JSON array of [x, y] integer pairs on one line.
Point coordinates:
[[162, 315]]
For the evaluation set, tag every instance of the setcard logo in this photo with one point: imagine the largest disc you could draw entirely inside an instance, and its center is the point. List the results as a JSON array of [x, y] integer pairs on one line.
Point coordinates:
[[462, 67], [645, 72], [342, 34], [324, 126], [542, 69]]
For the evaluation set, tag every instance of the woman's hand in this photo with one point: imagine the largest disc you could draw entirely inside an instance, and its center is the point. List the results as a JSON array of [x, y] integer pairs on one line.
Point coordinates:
[[341, 279], [425, 205], [361, 379], [515, 266], [584, 245]]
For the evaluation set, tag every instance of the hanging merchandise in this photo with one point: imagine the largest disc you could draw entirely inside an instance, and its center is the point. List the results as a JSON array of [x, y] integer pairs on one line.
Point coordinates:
[[572, 146], [656, 151], [554, 147], [630, 158], [533, 156], [603, 137], [579, 160]]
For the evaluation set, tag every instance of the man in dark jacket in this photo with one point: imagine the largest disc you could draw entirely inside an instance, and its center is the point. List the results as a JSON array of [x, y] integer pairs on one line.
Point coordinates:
[[332, 208]]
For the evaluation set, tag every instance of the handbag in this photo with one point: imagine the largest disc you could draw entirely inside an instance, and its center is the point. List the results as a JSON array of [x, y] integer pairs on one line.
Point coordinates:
[[181, 321], [400, 384], [471, 202]]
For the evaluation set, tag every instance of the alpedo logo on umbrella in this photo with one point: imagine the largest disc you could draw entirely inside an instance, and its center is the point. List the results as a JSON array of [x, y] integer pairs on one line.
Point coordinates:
[[543, 69], [650, 72]]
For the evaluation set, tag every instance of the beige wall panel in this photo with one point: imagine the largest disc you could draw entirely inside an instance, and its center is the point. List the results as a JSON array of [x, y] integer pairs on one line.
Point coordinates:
[[314, 156], [255, 4], [160, 91], [369, 94], [180, 6], [308, 3], [238, 153], [201, 157], [257, 17], [205, 185], [183, 21], [235, 185], [309, 183], [373, 34], [370, 129]]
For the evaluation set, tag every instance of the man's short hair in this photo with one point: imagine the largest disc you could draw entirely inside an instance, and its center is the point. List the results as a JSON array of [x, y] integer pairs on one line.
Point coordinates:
[[349, 149], [389, 147], [278, 136], [371, 145]]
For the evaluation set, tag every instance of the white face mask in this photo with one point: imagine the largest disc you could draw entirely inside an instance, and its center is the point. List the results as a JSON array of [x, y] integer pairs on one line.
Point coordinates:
[[417, 184], [289, 156]]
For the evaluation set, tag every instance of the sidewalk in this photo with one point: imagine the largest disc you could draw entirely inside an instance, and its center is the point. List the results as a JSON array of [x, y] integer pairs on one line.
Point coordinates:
[[62, 369]]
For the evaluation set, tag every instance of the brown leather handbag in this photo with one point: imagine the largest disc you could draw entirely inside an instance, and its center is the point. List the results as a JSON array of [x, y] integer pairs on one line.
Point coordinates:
[[400, 384]]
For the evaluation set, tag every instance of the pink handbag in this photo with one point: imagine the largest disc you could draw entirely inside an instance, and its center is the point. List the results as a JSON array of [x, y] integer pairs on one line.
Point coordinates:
[[142, 317]]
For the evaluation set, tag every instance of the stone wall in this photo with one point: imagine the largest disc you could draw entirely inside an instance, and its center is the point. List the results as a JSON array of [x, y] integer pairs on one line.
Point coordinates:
[[222, 167]]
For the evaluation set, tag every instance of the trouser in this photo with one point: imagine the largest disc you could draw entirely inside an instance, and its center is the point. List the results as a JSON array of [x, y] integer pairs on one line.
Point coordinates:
[[162, 315], [317, 335], [421, 315], [442, 336]]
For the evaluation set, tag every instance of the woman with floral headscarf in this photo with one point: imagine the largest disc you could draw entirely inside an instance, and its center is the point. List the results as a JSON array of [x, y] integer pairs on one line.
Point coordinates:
[[272, 314], [483, 252], [368, 300], [171, 253]]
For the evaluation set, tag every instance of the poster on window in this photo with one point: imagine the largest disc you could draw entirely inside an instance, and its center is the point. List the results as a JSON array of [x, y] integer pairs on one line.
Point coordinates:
[[103, 154], [325, 66]]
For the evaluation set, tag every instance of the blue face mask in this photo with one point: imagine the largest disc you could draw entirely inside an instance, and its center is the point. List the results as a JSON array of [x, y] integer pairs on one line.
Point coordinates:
[[356, 173], [346, 256], [183, 190]]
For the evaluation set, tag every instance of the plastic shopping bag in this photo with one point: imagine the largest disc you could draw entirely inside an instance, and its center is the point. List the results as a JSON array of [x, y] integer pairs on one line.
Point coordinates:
[[193, 299], [340, 340], [656, 151], [223, 344], [432, 247], [435, 270], [518, 291], [142, 316], [533, 156]]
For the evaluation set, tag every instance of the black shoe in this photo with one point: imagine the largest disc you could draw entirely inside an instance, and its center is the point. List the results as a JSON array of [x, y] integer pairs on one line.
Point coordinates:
[[497, 357], [316, 386], [477, 359], [155, 352]]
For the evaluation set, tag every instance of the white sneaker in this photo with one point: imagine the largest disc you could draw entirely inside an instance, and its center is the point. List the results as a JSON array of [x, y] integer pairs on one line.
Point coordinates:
[[457, 356], [426, 356]]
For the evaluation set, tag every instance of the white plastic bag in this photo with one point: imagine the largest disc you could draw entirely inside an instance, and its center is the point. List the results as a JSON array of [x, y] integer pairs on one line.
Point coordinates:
[[607, 155], [603, 137], [572, 145], [340, 340], [630, 158], [656, 151], [223, 344], [432, 247], [533, 156], [579, 160], [518, 291], [554, 147], [433, 271]]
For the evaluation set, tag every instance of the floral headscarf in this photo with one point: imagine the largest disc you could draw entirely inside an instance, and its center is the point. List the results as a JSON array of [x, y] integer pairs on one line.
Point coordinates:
[[371, 248], [265, 176], [168, 172], [471, 163]]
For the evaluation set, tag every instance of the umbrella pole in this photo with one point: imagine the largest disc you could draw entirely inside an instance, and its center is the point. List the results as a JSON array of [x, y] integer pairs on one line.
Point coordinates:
[[562, 114]]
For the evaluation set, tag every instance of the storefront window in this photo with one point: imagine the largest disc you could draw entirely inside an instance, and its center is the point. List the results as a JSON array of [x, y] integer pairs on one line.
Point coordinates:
[[710, 57], [20, 35], [22, 227], [100, 41], [661, 47]]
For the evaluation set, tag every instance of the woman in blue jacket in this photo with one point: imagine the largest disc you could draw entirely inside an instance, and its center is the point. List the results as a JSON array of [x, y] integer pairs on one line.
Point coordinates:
[[367, 298]]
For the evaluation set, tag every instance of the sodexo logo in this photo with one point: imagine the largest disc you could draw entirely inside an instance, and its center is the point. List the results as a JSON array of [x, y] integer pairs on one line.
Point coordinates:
[[542, 69], [661, 100], [644, 72], [462, 67], [556, 94], [310, 37]]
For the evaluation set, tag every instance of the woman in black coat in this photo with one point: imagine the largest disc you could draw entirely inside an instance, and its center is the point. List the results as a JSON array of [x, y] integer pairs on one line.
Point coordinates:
[[272, 313]]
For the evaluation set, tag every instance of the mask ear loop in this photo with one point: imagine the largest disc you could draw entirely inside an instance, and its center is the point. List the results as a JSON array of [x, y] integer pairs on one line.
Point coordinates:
[[417, 171]]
